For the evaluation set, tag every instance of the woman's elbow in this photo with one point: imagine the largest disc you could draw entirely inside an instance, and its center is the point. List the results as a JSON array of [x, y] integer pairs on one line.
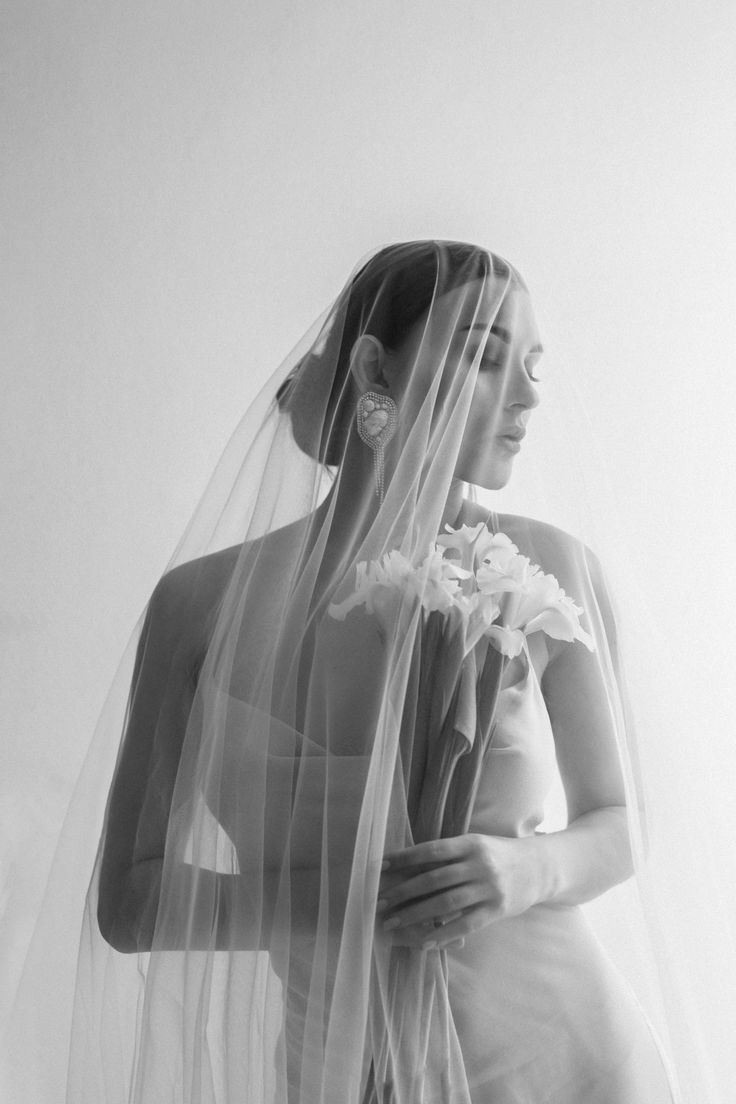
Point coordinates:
[[118, 935], [126, 912]]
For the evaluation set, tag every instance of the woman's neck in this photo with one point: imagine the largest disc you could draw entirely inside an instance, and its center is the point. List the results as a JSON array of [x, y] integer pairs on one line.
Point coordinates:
[[453, 511], [353, 511]]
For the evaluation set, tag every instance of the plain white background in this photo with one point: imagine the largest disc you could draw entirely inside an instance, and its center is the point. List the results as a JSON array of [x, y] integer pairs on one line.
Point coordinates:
[[188, 185]]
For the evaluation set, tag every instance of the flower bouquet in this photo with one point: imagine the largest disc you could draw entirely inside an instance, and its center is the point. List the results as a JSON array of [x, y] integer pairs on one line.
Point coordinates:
[[479, 599]]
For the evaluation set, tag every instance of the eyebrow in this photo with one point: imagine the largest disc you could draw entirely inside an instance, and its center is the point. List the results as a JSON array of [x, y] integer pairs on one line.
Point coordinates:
[[499, 331]]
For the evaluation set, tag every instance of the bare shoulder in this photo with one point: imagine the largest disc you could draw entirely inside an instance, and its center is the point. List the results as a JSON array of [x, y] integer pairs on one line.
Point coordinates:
[[198, 579], [554, 549], [185, 600]]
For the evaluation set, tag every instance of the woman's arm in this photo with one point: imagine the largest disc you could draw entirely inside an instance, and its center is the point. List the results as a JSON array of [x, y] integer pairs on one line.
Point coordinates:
[[161, 694], [474, 879], [172, 641], [243, 919], [210, 909], [469, 881], [594, 852]]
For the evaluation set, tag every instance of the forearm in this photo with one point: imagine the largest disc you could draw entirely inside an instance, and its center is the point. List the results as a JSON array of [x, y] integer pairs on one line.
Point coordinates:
[[212, 910], [202, 905], [583, 860]]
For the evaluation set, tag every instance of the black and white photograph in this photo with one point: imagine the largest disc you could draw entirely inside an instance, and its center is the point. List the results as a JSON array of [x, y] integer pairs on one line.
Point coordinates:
[[368, 595]]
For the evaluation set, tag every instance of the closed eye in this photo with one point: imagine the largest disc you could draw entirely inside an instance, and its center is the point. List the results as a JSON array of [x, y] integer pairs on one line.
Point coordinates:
[[489, 363], [496, 354]]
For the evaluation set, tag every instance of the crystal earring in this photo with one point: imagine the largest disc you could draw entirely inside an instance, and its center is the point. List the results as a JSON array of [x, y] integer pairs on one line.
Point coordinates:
[[377, 421]]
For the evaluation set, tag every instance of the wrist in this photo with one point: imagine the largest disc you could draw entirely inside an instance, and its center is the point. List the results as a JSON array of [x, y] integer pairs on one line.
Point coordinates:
[[583, 860], [543, 870]]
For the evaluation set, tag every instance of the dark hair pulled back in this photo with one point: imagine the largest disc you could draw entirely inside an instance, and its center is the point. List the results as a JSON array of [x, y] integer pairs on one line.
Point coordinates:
[[386, 298]]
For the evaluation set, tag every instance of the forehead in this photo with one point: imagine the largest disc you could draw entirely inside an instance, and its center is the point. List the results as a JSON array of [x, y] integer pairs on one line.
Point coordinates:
[[480, 304]]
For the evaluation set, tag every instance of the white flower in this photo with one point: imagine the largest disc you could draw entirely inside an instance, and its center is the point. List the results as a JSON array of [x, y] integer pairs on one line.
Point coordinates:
[[436, 582], [471, 542], [504, 568], [480, 611], [538, 604], [489, 588], [391, 574], [545, 607], [384, 586], [508, 641]]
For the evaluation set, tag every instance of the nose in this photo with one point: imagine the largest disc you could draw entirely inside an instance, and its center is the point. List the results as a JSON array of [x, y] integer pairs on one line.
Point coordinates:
[[521, 390]]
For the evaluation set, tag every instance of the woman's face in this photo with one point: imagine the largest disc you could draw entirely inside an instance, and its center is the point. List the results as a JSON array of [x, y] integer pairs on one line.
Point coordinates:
[[505, 392], [500, 343]]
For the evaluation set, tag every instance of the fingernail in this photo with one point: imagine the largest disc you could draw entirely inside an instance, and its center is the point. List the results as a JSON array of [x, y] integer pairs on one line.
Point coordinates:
[[381, 904], [392, 922], [385, 864]]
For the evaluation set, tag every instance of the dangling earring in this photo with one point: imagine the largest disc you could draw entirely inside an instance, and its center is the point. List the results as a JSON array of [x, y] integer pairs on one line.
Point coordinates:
[[377, 421]]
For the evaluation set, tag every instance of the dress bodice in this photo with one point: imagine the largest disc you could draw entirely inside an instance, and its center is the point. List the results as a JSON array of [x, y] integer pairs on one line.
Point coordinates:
[[519, 766]]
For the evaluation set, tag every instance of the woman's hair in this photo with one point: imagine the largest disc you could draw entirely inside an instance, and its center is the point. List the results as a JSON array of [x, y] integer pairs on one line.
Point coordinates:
[[386, 298]]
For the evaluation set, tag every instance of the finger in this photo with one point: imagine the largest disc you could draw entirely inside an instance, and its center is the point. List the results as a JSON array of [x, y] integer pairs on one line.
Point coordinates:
[[457, 927], [426, 884], [418, 934], [390, 880], [445, 939], [428, 853], [471, 921], [431, 938], [439, 906]]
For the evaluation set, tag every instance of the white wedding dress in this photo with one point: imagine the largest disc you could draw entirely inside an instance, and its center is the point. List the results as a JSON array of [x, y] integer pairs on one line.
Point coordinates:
[[542, 1014]]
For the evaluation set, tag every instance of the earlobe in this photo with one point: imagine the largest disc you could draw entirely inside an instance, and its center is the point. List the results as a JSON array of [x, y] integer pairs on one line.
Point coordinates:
[[367, 361]]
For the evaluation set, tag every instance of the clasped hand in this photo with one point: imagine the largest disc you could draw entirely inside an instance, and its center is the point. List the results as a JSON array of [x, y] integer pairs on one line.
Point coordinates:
[[436, 893]]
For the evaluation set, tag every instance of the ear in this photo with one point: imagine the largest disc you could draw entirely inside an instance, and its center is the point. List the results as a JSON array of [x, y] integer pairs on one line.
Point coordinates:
[[367, 361]]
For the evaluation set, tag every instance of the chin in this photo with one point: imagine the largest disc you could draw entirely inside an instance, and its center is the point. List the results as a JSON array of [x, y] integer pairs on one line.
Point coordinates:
[[490, 480]]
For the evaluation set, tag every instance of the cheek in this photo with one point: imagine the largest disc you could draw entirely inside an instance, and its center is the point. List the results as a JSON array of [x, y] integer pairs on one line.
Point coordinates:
[[485, 412]]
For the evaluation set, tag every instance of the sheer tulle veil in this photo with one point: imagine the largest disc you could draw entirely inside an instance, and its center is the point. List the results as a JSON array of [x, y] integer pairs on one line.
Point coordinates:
[[208, 932]]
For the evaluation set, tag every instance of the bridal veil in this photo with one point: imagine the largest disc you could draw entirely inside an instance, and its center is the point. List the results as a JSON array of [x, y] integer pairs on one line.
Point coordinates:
[[209, 930]]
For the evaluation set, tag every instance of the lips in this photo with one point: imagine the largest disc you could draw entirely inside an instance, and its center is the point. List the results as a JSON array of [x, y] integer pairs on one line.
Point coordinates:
[[512, 438]]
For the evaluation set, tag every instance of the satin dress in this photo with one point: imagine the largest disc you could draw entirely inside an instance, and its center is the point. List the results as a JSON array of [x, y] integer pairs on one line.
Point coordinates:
[[542, 1014]]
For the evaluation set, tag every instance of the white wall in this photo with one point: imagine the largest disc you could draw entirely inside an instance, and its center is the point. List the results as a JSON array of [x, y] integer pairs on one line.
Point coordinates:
[[188, 184]]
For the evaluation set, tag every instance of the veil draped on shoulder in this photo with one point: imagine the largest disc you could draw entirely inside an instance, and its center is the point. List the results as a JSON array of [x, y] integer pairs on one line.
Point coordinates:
[[298, 703]]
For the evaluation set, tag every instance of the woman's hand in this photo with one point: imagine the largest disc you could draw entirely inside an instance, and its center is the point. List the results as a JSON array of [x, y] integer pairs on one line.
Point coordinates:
[[436, 893]]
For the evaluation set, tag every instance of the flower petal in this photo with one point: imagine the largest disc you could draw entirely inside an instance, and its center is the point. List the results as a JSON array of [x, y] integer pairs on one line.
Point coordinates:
[[509, 642]]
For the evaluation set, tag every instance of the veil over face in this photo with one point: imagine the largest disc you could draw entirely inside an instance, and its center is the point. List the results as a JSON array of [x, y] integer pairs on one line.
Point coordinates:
[[271, 753]]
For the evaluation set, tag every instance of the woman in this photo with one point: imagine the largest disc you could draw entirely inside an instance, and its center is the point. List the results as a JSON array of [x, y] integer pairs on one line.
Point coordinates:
[[292, 907]]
